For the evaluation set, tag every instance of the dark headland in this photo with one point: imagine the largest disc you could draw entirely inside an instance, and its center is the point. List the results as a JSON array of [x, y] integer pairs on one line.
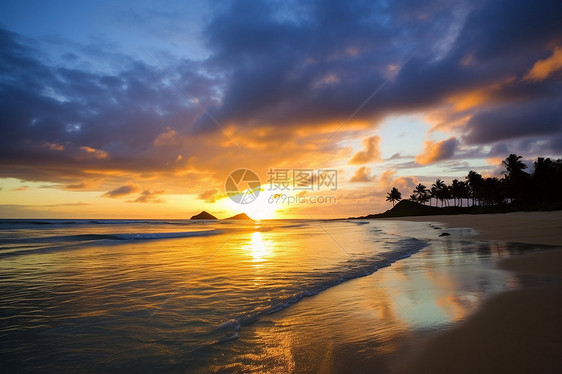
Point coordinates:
[[408, 208]]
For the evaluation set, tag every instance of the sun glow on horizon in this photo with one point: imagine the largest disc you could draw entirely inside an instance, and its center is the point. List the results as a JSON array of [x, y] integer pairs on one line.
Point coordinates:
[[259, 208], [262, 209]]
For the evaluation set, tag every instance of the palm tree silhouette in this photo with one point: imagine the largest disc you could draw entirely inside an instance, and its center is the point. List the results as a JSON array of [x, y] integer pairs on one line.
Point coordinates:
[[424, 197], [513, 165], [475, 182], [515, 175], [537, 190], [439, 190], [394, 195], [421, 193], [458, 191]]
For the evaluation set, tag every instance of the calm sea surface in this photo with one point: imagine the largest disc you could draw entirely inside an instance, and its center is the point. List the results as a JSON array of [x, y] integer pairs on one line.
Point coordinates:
[[204, 296]]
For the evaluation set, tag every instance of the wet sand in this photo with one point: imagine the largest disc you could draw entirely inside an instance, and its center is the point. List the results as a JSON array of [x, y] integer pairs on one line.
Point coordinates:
[[520, 227], [516, 331]]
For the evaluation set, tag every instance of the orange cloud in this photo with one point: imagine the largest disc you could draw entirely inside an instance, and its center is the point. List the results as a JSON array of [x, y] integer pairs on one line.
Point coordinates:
[[210, 196], [386, 179], [488, 94], [54, 146], [89, 152], [363, 174], [405, 185], [470, 100], [371, 152], [89, 184], [446, 120], [167, 138], [437, 151], [494, 161], [544, 68]]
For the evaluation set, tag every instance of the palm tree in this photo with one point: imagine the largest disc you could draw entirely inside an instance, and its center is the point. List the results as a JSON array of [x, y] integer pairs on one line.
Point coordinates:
[[394, 195], [420, 191], [475, 182], [493, 191], [458, 190], [424, 197], [544, 179], [439, 190], [433, 193], [447, 195], [513, 165], [515, 175], [464, 191]]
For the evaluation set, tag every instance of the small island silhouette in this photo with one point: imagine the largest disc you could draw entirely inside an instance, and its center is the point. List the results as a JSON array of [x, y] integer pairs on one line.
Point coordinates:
[[204, 215], [241, 216], [209, 216]]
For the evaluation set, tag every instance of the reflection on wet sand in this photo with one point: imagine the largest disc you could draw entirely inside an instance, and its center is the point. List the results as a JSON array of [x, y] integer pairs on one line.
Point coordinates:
[[371, 323]]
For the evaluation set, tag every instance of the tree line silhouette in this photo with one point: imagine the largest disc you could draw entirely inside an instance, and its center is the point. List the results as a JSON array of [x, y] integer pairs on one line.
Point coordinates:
[[540, 189]]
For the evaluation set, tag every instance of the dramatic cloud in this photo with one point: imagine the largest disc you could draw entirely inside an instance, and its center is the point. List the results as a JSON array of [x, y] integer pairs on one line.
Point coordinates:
[[121, 191], [148, 196], [210, 196], [544, 68], [437, 151], [272, 86], [537, 118], [371, 152], [385, 179], [311, 69], [89, 152], [363, 174], [405, 185]]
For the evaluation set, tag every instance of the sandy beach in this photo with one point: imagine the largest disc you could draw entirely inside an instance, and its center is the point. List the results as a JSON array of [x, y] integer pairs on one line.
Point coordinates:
[[520, 227], [517, 331]]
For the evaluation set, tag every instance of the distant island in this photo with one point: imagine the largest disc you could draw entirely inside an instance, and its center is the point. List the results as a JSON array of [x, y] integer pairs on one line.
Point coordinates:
[[241, 216], [204, 215]]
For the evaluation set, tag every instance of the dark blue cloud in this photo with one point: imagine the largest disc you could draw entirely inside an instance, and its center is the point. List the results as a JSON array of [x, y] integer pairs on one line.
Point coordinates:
[[275, 69], [278, 66], [536, 118], [52, 115]]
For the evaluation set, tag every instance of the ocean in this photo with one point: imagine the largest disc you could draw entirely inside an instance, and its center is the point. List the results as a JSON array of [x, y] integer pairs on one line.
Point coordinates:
[[228, 296]]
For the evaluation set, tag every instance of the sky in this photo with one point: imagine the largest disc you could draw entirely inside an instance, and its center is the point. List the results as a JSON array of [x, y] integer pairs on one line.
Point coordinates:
[[139, 109]]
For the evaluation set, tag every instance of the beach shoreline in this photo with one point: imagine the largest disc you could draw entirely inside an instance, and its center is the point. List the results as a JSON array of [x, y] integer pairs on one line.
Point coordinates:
[[516, 331], [519, 227]]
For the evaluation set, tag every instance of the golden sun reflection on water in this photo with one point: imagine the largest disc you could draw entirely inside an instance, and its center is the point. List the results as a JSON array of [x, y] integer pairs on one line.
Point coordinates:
[[260, 249]]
